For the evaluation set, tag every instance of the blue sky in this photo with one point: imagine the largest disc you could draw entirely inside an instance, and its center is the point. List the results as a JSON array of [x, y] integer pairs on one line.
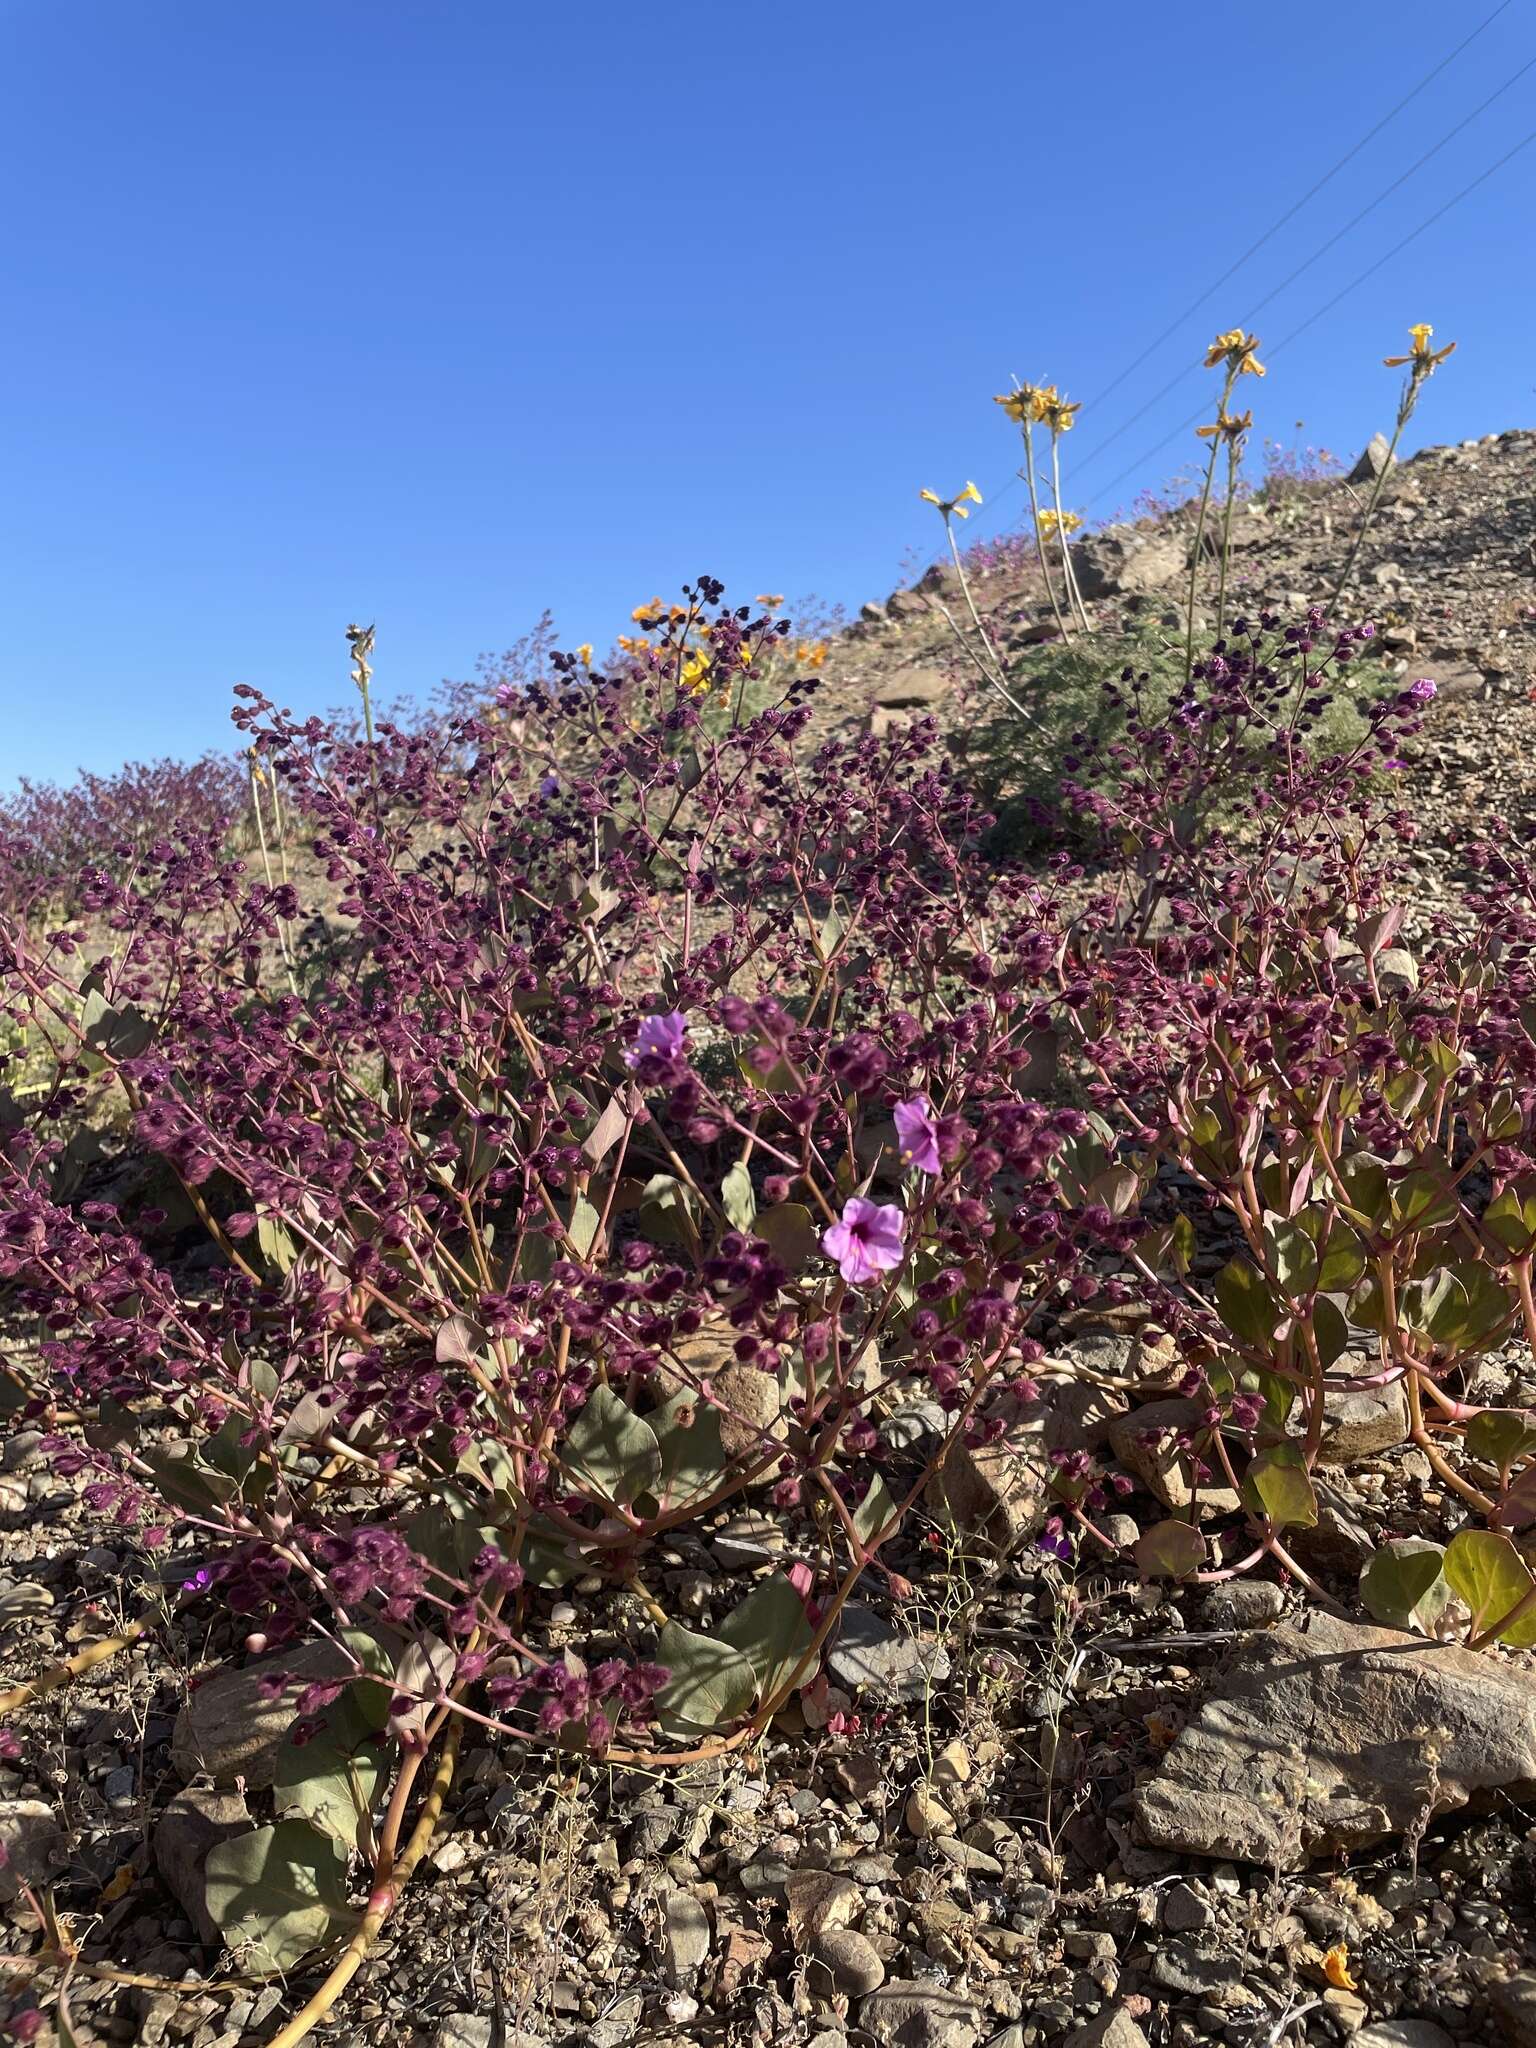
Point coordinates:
[[437, 314]]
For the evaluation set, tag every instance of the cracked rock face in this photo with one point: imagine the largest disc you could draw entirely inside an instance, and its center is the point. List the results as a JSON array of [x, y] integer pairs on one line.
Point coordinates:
[[1329, 1736]]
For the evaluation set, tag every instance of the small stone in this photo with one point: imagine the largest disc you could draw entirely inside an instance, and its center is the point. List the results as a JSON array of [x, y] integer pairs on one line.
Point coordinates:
[[872, 1654], [961, 1856], [952, 1765], [819, 1899], [904, 2014], [1243, 1603], [746, 1541], [765, 1877], [850, 1960], [1117, 2029], [1515, 2004], [926, 1814], [33, 1843], [1184, 1911], [1403, 2034], [685, 1937], [1147, 1442], [1359, 1422], [228, 1730]]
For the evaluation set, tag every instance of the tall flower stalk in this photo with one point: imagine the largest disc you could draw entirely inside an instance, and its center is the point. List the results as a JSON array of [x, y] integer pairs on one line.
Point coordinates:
[[991, 669], [1237, 352], [1422, 361], [1023, 405]]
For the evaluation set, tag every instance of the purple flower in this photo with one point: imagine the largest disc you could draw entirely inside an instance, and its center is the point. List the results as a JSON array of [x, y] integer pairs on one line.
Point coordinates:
[[1421, 691], [659, 1037], [867, 1242], [917, 1134]]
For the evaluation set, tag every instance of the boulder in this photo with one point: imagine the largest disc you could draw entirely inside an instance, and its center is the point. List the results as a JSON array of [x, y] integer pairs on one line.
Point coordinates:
[[1373, 460], [912, 689], [871, 1655], [1127, 564], [227, 1731], [908, 2014], [192, 1823], [1148, 1442], [1326, 1736], [1002, 1490]]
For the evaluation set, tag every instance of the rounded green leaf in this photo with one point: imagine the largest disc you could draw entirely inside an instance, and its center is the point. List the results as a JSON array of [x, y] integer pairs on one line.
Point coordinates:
[[1169, 1550], [278, 1893], [1404, 1585], [1488, 1575]]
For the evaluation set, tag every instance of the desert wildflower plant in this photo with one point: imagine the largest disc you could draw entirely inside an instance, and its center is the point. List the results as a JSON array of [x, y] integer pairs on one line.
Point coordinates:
[[1421, 362]]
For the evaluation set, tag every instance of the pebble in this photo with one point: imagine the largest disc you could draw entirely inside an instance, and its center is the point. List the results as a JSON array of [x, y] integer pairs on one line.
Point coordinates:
[[1184, 1911], [850, 1959]]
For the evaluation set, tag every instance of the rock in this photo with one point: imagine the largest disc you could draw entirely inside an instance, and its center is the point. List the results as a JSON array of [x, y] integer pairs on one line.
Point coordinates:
[[1515, 2004], [1243, 1603], [1403, 2034], [850, 1959], [911, 689], [1339, 1541], [750, 1401], [1316, 1740], [905, 2014], [925, 1814], [1184, 1911], [227, 1730], [194, 1822], [904, 604], [1179, 1967], [1360, 1421], [819, 1899], [1146, 1444], [872, 613], [871, 1654], [952, 1765], [966, 1857], [765, 1877], [1127, 564], [1372, 461], [1002, 1490], [748, 1540], [33, 1842], [685, 1937], [1115, 2029], [471, 2030]]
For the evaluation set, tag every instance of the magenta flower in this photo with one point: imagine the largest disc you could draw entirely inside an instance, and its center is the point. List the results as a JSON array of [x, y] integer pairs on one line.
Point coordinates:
[[1421, 691], [659, 1037], [867, 1242], [917, 1134]]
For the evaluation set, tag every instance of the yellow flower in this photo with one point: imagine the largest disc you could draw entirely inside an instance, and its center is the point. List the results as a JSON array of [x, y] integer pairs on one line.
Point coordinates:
[[584, 654], [811, 653], [1020, 403], [1423, 358], [768, 603], [1231, 426], [1336, 1969], [956, 505], [1238, 351], [631, 644], [647, 614], [1054, 410], [694, 674], [1051, 524]]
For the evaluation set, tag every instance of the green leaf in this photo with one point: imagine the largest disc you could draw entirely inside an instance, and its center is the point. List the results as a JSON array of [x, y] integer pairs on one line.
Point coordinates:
[[1169, 1550], [609, 1451], [875, 1513], [1330, 1328], [460, 1341], [737, 1198], [669, 1211], [1420, 1201], [789, 1231], [770, 1630], [278, 1893], [335, 1779], [693, 1460], [1292, 1255], [1404, 1585], [710, 1684], [276, 1244], [1247, 1306], [1500, 1435], [1276, 1487], [1364, 1180], [1511, 1218], [583, 1226], [1488, 1575]]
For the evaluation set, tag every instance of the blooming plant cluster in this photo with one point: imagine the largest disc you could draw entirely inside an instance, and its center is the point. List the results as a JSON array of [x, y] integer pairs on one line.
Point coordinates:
[[678, 1099]]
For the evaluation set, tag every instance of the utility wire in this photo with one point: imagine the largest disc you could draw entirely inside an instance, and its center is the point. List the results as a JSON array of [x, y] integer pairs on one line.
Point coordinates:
[[1291, 211], [1322, 250], [1328, 306]]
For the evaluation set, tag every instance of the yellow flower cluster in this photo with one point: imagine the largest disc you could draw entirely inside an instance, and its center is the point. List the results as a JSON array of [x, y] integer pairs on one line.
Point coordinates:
[[1423, 358], [1238, 351], [812, 653], [1039, 404], [956, 505], [1051, 523], [1230, 426]]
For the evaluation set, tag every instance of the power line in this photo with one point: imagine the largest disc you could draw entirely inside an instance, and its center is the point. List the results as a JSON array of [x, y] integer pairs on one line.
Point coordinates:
[[1321, 251], [1328, 306], [1291, 211]]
